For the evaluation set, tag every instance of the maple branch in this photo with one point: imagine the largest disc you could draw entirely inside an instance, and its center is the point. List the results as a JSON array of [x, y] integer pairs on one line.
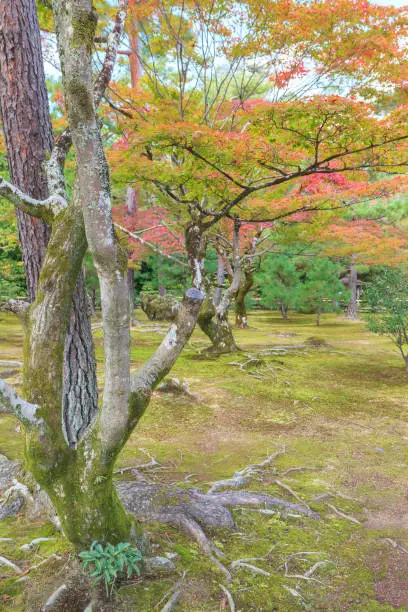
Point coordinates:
[[306, 208], [214, 166], [152, 246], [41, 209], [13, 404]]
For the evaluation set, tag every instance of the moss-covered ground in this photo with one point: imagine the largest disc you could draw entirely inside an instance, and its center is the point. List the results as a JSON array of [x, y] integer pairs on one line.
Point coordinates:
[[339, 407]]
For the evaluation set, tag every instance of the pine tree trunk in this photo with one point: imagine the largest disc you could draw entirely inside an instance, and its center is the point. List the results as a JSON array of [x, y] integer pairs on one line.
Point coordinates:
[[352, 308], [26, 122], [27, 128]]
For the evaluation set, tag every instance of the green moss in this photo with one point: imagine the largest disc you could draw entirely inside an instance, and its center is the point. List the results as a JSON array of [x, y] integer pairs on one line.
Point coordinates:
[[80, 102], [84, 24], [340, 409]]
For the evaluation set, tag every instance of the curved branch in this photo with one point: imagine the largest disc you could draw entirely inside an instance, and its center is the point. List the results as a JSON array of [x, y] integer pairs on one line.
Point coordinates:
[[42, 209], [11, 403], [150, 245], [148, 376]]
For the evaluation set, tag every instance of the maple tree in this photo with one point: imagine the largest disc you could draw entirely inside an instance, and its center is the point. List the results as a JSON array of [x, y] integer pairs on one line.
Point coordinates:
[[225, 121]]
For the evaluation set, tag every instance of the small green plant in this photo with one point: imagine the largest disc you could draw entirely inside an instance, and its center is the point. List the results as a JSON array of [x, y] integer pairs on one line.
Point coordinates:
[[110, 562]]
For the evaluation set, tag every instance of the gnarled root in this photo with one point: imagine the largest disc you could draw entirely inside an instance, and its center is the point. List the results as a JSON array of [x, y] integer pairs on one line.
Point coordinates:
[[192, 510]]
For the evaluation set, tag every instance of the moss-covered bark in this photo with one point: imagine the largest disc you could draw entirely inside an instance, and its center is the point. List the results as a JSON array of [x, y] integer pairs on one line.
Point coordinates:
[[214, 323]]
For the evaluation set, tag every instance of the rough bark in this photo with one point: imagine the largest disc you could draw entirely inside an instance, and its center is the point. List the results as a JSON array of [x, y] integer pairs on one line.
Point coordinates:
[[29, 140], [78, 477], [352, 308], [26, 123]]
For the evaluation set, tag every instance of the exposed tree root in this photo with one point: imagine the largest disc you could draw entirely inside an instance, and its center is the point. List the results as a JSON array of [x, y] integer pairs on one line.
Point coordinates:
[[193, 511]]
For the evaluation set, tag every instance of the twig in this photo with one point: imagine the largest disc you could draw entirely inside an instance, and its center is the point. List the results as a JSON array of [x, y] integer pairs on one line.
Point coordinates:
[[54, 597], [245, 475], [174, 587], [229, 598], [252, 568], [343, 515], [11, 565], [172, 601], [395, 544], [143, 466], [293, 592], [298, 469], [289, 490]]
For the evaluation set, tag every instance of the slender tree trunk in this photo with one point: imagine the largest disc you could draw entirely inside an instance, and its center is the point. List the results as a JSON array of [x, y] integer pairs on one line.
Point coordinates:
[[352, 308], [27, 128], [284, 310], [131, 285], [247, 281], [220, 279], [132, 205], [318, 316]]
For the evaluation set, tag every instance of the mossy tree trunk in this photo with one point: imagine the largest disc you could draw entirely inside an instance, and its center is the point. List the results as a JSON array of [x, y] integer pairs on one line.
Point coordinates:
[[29, 140], [213, 318], [214, 323], [77, 475], [245, 286]]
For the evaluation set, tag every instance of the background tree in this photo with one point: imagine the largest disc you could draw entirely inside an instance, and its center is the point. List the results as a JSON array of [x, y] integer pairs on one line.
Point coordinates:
[[387, 299], [279, 281], [202, 141], [322, 290]]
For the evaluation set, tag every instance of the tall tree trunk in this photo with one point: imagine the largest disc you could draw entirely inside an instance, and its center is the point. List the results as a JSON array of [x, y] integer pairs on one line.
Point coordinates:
[[27, 128], [26, 123], [132, 203], [352, 308], [220, 279], [246, 284]]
